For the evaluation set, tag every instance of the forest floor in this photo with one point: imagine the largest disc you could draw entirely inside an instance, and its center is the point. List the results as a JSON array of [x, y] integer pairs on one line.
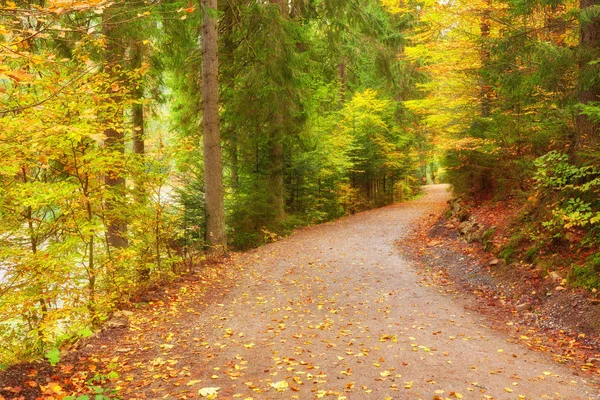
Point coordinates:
[[334, 311]]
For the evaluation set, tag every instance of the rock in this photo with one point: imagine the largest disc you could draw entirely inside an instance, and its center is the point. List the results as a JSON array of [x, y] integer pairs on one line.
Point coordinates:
[[122, 313], [116, 323], [494, 262], [124, 350], [449, 226], [523, 307], [466, 227], [559, 289], [471, 230], [433, 243], [554, 276]]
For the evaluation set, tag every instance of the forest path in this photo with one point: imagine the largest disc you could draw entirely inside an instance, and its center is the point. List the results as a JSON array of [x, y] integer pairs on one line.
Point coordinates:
[[331, 311]]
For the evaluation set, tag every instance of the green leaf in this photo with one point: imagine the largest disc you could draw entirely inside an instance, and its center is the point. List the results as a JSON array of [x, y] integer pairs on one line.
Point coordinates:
[[53, 356], [84, 333]]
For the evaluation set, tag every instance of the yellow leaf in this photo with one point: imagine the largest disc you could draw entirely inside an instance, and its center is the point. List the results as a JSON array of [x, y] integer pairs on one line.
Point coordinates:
[[408, 385], [209, 392], [280, 386], [191, 383]]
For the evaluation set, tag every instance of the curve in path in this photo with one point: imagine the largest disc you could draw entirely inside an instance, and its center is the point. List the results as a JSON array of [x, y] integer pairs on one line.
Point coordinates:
[[333, 311]]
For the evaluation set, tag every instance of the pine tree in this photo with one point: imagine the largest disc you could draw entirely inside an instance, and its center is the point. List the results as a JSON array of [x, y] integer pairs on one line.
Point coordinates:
[[213, 165]]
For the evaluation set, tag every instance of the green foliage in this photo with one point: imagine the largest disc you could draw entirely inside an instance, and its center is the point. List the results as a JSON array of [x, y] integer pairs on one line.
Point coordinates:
[[573, 190], [53, 356], [587, 275]]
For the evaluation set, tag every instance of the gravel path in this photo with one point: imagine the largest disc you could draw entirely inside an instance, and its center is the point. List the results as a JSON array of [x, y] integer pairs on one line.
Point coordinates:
[[333, 311]]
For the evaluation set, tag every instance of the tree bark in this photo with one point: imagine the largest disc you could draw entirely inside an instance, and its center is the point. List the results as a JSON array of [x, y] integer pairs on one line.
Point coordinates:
[[138, 106], [113, 132], [343, 81], [587, 129], [228, 76], [485, 54], [213, 164], [276, 134]]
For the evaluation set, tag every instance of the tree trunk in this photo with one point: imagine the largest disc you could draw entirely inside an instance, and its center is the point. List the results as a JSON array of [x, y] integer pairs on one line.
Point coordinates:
[[113, 132], [138, 147], [228, 75], [587, 130], [213, 164], [276, 134], [485, 54], [276, 167], [138, 106], [343, 81]]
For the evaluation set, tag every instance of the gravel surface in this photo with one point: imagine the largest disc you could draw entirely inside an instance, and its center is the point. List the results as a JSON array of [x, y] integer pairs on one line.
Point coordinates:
[[333, 311]]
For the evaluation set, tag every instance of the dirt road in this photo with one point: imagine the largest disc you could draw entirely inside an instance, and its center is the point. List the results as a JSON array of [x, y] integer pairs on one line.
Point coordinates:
[[333, 311]]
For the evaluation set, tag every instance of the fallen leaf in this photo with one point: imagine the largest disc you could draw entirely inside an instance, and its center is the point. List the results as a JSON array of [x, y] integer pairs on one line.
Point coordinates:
[[209, 392]]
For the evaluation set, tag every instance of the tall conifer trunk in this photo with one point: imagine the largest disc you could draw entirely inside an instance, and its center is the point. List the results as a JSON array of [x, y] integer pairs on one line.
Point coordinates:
[[213, 164], [276, 134], [228, 75], [589, 88], [485, 54], [138, 106], [139, 149], [113, 132]]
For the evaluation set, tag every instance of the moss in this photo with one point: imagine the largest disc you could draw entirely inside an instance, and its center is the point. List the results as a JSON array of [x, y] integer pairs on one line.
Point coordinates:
[[486, 239], [508, 253], [531, 253], [587, 275]]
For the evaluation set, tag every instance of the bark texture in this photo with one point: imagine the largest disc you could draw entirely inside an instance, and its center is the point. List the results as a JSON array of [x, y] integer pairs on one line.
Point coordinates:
[[114, 142], [485, 55], [276, 134], [589, 87], [213, 169], [138, 107]]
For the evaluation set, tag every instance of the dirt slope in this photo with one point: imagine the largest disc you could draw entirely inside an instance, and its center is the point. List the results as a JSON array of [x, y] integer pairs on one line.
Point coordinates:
[[331, 311]]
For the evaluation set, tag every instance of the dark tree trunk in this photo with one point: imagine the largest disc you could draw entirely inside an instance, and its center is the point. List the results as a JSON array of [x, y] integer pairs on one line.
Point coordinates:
[[213, 164], [589, 85], [138, 147], [113, 132], [138, 106], [485, 54], [343, 81], [276, 135], [228, 71]]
